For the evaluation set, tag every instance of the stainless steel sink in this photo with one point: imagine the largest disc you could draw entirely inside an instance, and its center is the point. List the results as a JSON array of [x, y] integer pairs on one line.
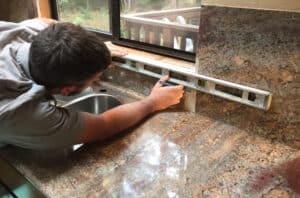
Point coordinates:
[[93, 103]]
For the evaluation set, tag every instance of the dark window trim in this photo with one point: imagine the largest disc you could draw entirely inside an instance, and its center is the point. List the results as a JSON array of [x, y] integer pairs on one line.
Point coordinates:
[[54, 10], [115, 36]]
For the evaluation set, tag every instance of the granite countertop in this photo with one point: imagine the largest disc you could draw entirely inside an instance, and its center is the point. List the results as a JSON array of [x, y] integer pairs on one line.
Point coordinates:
[[170, 154]]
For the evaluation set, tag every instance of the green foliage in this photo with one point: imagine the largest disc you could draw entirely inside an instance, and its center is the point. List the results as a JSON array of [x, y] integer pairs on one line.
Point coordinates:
[[88, 4], [150, 5], [194, 3], [88, 13], [155, 5], [63, 3], [82, 16]]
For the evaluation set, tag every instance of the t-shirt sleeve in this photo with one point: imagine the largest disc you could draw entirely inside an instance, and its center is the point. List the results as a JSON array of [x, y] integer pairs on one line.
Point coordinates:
[[40, 125]]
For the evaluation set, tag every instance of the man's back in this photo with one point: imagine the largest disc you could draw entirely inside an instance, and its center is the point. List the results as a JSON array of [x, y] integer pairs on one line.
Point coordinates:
[[27, 118]]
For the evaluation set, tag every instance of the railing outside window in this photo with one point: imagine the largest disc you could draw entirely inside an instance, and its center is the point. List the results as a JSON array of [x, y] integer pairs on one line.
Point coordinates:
[[167, 27], [177, 28]]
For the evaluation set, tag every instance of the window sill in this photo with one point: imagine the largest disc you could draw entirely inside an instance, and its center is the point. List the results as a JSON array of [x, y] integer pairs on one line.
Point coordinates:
[[168, 60]]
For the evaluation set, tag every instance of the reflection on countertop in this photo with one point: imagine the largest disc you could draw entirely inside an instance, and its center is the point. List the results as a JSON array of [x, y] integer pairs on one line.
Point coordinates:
[[170, 154]]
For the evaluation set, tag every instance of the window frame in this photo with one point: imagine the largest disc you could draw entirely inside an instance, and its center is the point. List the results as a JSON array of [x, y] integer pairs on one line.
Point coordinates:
[[115, 35]]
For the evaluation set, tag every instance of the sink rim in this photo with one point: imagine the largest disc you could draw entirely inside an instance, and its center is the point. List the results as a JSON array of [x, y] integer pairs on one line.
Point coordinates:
[[79, 99]]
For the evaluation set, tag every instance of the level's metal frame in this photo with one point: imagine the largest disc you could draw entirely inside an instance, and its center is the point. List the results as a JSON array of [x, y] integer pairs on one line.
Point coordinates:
[[247, 95]]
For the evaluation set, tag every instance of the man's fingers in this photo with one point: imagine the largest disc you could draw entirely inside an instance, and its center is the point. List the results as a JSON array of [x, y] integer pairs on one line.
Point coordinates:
[[118, 52], [181, 87], [164, 78], [115, 51], [177, 89], [158, 84]]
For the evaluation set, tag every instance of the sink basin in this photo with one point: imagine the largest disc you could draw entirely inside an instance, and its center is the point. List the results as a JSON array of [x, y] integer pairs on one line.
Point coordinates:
[[93, 103], [65, 99]]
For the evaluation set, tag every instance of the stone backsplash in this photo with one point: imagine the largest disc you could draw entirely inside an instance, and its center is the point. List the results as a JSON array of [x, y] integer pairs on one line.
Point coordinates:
[[253, 47], [260, 49]]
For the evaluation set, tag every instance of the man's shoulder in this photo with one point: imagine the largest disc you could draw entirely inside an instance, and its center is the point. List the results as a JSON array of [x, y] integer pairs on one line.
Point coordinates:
[[20, 94]]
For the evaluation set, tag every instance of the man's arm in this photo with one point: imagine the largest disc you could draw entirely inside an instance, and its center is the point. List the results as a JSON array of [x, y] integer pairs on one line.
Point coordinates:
[[99, 127]]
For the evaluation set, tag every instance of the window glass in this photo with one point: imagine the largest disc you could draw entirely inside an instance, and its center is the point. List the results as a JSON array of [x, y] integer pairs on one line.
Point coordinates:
[[168, 23], [88, 13]]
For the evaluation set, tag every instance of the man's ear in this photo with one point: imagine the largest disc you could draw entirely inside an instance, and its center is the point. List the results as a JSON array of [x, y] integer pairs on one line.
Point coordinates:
[[65, 91], [55, 91]]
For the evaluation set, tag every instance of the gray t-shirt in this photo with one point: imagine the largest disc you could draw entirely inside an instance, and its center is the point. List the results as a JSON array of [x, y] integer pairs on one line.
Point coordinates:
[[27, 117]]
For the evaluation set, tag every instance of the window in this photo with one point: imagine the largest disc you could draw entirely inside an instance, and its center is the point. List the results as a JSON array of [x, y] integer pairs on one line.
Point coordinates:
[[94, 14], [168, 27], [167, 23]]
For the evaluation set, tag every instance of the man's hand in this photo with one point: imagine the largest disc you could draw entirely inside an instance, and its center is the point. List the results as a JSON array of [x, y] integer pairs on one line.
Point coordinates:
[[115, 51], [163, 97]]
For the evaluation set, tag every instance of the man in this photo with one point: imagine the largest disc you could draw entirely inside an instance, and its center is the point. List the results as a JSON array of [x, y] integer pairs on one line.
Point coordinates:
[[36, 61]]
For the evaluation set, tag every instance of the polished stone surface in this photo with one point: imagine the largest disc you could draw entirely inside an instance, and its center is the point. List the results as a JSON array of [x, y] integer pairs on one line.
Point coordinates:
[[170, 154]]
